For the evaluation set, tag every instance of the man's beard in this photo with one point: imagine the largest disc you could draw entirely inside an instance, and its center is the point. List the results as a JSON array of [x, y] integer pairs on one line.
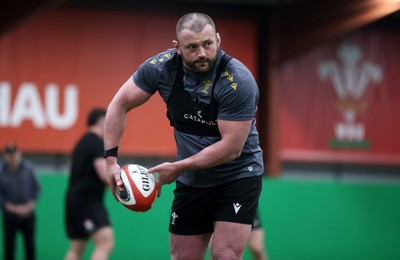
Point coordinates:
[[200, 65]]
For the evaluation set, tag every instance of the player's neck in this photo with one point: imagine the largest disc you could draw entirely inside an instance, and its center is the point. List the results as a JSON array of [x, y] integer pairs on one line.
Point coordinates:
[[97, 131]]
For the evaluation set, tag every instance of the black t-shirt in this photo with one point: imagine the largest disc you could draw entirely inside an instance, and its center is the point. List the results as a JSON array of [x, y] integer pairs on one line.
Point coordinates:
[[84, 183]]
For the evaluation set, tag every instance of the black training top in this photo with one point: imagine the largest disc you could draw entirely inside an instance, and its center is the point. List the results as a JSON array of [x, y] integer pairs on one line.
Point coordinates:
[[84, 183]]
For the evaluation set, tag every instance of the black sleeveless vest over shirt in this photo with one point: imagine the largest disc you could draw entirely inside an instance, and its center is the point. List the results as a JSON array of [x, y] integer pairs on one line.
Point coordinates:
[[187, 116]]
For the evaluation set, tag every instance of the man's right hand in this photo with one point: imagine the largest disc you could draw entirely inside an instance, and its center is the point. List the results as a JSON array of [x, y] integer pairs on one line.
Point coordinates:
[[113, 171]]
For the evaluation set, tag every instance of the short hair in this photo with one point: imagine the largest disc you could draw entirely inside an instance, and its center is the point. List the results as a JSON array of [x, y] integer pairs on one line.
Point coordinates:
[[194, 22], [95, 115], [10, 148]]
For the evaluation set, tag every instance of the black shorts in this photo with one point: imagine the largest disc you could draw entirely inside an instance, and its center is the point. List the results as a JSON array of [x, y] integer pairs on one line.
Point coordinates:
[[83, 219], [194, 210]]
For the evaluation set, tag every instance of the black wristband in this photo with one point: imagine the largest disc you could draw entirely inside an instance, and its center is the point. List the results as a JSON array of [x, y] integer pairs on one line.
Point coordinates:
[[111, 152]]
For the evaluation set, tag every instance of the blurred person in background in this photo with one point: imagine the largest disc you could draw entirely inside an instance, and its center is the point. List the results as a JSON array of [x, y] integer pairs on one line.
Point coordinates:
[[86, 216], [19, 191], [256, 240]]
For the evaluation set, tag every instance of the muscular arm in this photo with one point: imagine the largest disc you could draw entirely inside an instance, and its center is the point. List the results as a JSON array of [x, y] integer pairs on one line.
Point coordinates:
[[100, 167], [128, 97], [234, 135]]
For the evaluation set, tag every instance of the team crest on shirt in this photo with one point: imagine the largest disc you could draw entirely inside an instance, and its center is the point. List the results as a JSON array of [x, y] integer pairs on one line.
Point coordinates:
[[207, 84]]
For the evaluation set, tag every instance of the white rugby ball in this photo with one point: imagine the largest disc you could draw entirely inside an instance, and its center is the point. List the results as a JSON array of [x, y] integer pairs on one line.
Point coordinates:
[[139, 190]]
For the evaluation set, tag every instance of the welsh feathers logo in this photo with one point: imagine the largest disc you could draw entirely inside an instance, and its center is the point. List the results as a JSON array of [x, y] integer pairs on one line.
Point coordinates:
[[350, 77]]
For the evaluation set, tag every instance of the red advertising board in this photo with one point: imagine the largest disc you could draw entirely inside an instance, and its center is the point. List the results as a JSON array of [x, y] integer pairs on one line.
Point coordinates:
[[59, 65]]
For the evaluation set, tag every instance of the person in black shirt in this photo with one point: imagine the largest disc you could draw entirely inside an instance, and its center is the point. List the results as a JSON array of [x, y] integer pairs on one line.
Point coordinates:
[[19, 190], [86, 216]]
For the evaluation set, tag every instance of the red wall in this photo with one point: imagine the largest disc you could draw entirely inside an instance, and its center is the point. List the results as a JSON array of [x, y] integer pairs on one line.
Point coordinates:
[[56, 67], [362, 125]]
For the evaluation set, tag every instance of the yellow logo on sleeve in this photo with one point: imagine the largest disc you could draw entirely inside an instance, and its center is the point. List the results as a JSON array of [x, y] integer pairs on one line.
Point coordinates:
[[161, 59], [234, 85], [229, 76]]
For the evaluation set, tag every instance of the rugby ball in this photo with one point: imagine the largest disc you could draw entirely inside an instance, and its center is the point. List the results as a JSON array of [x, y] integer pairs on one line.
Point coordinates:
[[138, 191]]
